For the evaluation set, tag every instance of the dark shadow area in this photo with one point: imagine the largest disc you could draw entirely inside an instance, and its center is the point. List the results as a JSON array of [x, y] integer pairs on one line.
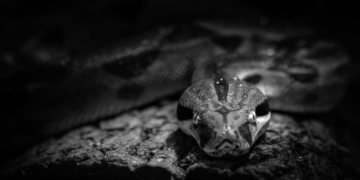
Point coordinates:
[[202, 173], [148, 172], [181, 143], [69, 170]]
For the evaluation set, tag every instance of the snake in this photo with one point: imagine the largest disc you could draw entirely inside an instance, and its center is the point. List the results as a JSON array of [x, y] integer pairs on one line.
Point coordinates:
[[230, 75]]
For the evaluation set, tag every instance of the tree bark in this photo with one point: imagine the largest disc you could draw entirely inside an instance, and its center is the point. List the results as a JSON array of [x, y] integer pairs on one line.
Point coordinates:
[[147, 144]]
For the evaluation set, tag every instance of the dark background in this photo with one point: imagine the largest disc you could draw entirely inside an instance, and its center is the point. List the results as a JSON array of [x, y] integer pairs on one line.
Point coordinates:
[[98, 21], [82, 26]]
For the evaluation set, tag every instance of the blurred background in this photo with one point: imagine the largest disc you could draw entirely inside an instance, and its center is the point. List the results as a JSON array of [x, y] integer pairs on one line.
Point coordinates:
[[70, 28]]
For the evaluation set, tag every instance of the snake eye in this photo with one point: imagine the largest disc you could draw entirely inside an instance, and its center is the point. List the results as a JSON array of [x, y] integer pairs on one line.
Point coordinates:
[[183, 113], [262, 109]]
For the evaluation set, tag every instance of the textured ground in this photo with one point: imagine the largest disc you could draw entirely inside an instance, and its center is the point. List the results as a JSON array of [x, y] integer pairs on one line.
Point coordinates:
[[146, 144]]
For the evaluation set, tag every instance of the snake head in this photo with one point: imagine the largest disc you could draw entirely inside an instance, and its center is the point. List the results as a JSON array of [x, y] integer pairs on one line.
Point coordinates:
[[225, 117]]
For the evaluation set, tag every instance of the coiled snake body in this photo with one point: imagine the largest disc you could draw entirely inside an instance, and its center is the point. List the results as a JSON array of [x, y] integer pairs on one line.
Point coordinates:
[[226, 109], [237, 71]]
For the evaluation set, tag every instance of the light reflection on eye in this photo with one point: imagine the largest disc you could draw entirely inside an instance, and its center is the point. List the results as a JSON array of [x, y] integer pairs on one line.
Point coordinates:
[[252, 117], [197, 118]]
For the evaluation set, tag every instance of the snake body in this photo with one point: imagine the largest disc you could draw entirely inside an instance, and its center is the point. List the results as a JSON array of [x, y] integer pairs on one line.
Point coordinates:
[[226, 109], [237, 73]]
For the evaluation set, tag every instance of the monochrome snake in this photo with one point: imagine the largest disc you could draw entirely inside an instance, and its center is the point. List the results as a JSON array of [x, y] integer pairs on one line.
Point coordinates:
[[238, 73]]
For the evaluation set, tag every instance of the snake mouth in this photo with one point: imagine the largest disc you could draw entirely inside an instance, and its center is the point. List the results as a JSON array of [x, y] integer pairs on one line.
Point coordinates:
[[227, 152], [226, 143], [227, 148]]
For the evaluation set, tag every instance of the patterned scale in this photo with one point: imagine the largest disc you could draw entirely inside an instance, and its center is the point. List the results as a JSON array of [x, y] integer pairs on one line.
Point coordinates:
[[138, 70]]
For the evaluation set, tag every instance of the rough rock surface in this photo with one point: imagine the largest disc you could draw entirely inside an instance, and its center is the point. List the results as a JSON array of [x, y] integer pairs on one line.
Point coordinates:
[[147, 144]]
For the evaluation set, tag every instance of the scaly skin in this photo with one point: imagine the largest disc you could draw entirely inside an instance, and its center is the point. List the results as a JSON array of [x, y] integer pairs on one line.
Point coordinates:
[[294, 70], [294, 73]]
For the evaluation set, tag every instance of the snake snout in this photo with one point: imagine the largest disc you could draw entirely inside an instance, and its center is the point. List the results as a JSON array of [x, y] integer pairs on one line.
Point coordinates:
[[227, 148]]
